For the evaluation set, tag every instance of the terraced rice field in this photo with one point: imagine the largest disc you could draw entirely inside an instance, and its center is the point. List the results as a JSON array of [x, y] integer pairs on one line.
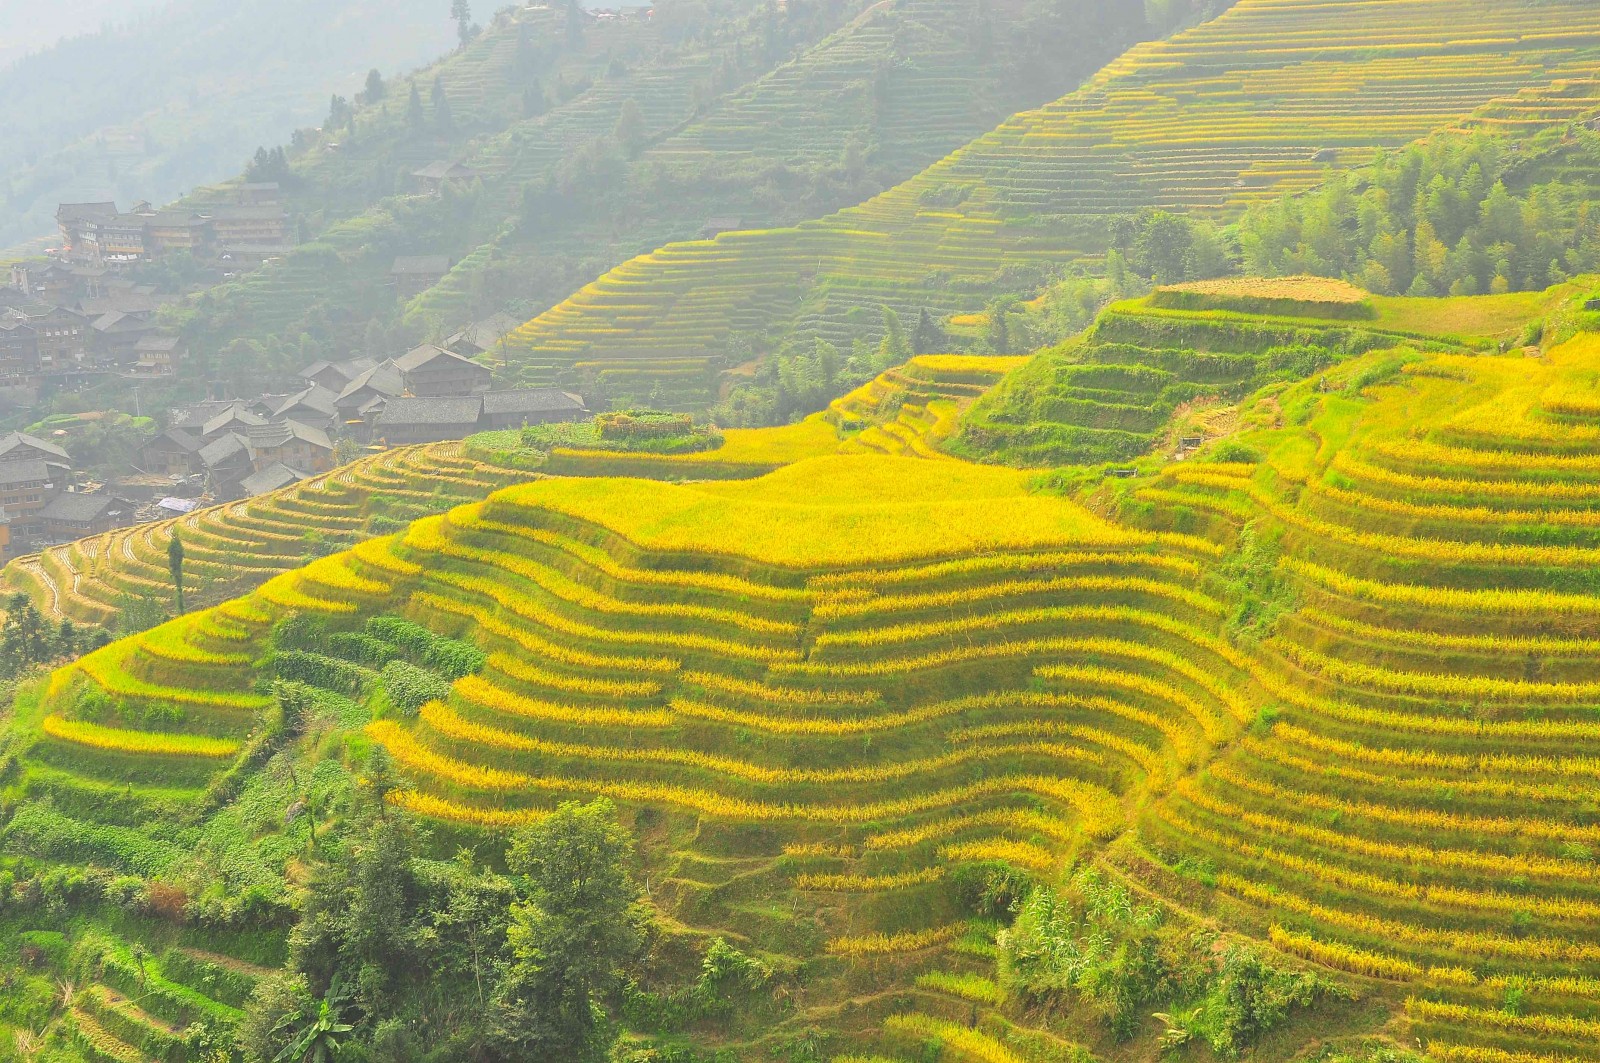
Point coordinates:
[[1258, 102], [908, 411], [1330, 689], [635, 652], [232, 548], [1415, 806]]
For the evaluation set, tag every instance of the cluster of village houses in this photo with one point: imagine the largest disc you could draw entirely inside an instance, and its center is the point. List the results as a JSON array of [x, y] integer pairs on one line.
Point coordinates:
[[77, 315]]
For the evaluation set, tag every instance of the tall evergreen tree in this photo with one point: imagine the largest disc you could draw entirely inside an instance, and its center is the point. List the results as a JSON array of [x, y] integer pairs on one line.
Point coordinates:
[[415, 116], [175, 566], [442, 116]]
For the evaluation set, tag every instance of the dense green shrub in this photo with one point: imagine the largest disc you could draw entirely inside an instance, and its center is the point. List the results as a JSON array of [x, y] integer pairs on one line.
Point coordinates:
[[409, 687], [320, 670]]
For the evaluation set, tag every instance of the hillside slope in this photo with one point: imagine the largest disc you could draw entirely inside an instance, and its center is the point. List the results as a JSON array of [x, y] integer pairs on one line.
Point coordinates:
[[1312, 699], [1259, 101], [756, 118], [149, 109], [121, 576]]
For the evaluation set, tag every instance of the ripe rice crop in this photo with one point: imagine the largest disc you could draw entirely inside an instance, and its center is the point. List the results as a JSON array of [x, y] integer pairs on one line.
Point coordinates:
[[996, 563], [136, 743], [282, 591], [1412, 817], [1374, 885], [106, 667], [880, 944], [532, 674], [823, 726], [566, 590], [432, 807], [441, 719], [1343, 957], [1020, 854], [1533, 865], [512, 602], [537, 646], [867, 607], [1341, 773], [1415, 484], [1426, 723], [770, 694], [1101, 814], [971, 987], [168, 643], [1478, 764], [480, 691], [1432, 684], [1432, 640], [379, 553], [1300, 289], [1471, 942], [819, 882], [1453, 1053], [890, 634], [1148, 759], [968, 1043], [1019, 819], [1543, 1024], [1445, 599], [471, 518], [857, 509]]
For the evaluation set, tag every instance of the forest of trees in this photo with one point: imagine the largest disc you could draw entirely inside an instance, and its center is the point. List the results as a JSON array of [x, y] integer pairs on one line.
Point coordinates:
[[1440, 218]]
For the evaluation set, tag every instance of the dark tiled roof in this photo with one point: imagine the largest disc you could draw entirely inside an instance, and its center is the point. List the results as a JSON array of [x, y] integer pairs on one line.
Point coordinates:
[[21, 472], [383, 378], [70, 212], [271, 478], [221, 449], [411, 411], [427, 354], [78, 508], [186, 441], [12, 440], [235, 413], [278, 433], [316, 398], [532, 400]]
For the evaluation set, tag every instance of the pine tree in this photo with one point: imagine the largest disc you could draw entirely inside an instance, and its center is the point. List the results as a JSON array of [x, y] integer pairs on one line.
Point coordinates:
[[442, 118], [175, 566], [414, 113], [928, 338], [461, 11], [629, 130], [376, 89]]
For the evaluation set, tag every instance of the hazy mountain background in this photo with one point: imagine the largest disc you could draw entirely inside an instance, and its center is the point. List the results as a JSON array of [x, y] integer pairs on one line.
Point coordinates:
[[149, 99]]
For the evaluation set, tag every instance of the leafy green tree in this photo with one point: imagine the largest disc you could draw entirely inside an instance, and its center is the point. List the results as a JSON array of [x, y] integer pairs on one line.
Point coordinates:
[[1161, 249], [579, 924], [376, 89], [928, 337], [894, 349], [319, 1038], [629, 130]]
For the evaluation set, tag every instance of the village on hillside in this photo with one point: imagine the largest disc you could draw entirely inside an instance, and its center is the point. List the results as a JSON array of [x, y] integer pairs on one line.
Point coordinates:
[[82, 316]]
